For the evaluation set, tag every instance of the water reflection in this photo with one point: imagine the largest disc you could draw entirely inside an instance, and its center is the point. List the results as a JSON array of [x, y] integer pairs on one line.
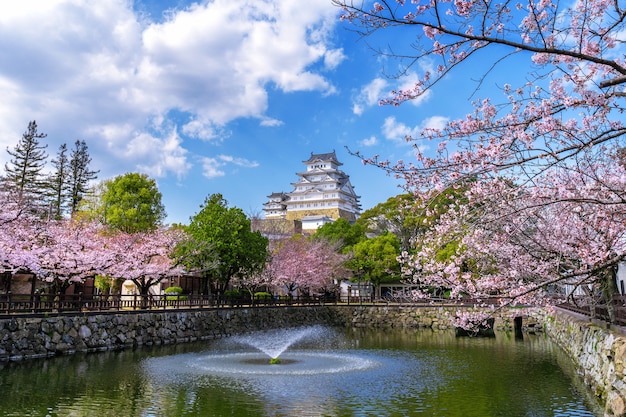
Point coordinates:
[[409, 373]]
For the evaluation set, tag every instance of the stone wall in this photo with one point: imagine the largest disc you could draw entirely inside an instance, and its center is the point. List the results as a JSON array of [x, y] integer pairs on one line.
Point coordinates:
[[434, 317], [29, 337], [598, 353], [23, 338]]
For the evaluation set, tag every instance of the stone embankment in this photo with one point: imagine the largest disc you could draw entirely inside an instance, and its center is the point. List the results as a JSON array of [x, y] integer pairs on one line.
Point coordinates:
[[431, 317], [33, 337], [22, 338], [598, 353]]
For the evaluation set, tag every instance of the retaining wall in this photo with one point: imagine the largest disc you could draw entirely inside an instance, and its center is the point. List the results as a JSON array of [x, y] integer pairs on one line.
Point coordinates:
[[29, 337], [598, 353]]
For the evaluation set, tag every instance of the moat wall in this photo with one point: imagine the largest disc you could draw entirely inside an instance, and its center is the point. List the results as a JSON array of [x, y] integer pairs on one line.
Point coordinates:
[[29, 337], [599, 354]]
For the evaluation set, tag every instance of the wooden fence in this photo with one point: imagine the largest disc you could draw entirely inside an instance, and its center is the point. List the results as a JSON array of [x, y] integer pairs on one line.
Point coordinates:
[[601, 311], [58, 303], [11, 304]]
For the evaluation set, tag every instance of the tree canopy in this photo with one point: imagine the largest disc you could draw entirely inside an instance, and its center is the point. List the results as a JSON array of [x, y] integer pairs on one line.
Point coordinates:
[[341, 233], [132, 203], [374, 260], [24, 172], [227, 237], [532, 160]]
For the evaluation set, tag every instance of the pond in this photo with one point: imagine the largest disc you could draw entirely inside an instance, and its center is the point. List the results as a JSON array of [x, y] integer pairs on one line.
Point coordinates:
[[326, 372]]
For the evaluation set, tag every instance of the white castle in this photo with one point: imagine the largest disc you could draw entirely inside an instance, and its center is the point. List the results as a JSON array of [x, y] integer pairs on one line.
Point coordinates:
[[322, 194]]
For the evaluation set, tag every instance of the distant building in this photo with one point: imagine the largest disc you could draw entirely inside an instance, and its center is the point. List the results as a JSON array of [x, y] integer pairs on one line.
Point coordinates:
[[322, 194]]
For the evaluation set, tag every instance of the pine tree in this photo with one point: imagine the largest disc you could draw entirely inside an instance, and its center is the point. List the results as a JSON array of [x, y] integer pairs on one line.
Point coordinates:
[[79, 175], [58, 183], [24, 171]]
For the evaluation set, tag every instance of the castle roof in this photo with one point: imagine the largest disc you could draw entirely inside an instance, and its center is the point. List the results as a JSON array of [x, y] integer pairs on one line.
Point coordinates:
[[329, 156]]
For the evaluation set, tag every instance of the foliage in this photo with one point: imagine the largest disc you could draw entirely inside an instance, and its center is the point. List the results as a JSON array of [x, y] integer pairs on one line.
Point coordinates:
[[375, 259], [226, 237], [341, 233], [79, 175], [538, 166], [23, 174], [262, 296], [132, 203], [299, 264], [173, 290], [175, 294], [57, 183], [103, 283], [232, 294]]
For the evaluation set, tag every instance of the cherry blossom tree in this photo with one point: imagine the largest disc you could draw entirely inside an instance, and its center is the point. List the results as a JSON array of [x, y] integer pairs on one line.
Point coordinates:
[[145, 258], [69, 251], [544, 199], [305, 266], [18, 231]]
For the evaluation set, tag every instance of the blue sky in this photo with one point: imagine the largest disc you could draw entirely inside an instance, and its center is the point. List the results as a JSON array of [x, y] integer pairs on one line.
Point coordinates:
[[226, 96]]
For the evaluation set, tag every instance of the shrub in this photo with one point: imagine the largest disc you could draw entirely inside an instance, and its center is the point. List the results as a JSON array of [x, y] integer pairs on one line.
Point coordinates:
[[174, 293], [262, 295], [174, 290], [231, 294]]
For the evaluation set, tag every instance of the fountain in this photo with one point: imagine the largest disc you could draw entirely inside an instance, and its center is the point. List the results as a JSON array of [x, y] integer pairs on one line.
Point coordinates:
[[322, 372], [273, 343], [331, 372], [273, 347]]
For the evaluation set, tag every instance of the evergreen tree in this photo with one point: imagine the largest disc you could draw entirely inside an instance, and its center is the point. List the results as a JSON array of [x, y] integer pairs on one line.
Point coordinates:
[[79, 174], [28, 158], [57, 183]]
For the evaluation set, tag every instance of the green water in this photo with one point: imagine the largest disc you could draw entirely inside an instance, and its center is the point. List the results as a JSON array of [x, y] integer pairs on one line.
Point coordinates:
[[403, 373]]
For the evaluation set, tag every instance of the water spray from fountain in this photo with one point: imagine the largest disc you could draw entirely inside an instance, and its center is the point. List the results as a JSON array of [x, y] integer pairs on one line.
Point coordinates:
[[274, 342]]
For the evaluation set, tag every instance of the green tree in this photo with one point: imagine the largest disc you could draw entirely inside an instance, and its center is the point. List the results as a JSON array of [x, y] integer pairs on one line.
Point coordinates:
[[342, 233], [132, 203], [223, 233], [23, 174], [79, 175], [374, 260], [57, 183], [400, 215]]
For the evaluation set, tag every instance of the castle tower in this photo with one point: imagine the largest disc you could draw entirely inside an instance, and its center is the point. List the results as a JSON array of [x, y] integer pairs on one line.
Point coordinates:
[[322, 190]]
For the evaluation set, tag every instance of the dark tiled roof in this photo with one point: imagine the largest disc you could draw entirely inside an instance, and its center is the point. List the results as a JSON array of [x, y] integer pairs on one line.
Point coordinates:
[[330, 156]]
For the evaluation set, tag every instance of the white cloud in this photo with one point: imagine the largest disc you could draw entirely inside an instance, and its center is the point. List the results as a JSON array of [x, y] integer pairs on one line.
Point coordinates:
[[379, 89], [333, 57], [269, 122], [242, 162], [370, 95], [158, 156], [397, 131], [435, 122], [371, 141], [408, 84], [106, 74], [213, 167]]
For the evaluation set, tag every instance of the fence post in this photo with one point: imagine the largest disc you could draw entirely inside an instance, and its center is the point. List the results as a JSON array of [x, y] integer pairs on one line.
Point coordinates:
[[9, 293]]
